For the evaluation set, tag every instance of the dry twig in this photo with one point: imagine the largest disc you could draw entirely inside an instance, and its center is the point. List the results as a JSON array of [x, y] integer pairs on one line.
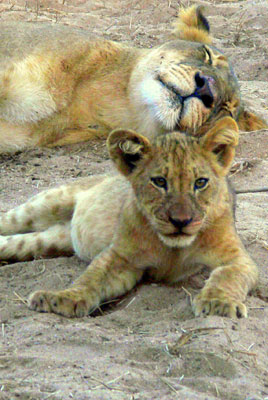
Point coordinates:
[[24, 301]]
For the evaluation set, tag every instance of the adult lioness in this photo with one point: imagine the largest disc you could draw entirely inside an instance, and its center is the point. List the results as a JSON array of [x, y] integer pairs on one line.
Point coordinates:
[[166, 213], [59, 87]]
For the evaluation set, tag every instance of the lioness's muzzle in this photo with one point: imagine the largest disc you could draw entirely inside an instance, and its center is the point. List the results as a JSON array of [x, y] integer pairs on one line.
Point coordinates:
[[204, 89]]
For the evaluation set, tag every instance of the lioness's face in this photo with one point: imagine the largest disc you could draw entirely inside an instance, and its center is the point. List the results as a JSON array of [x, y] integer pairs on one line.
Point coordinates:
[[184, 86], [177, 179]]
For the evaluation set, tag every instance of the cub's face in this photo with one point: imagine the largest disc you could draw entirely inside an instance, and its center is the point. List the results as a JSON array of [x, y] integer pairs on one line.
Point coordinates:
[[184, 86], [176, 189], [178, 180]]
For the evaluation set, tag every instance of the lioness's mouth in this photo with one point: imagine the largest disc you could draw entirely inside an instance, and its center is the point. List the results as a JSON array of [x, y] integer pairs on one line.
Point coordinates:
[[172, 88], [203, 90]]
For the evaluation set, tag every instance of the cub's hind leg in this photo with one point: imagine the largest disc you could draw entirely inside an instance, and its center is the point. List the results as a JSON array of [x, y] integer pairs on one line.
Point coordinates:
[[42, 211], [53, 242]]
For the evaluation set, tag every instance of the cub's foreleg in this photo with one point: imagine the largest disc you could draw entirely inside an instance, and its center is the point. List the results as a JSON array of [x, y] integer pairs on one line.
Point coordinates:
[[55, 241], [107, 277], [234, 275]]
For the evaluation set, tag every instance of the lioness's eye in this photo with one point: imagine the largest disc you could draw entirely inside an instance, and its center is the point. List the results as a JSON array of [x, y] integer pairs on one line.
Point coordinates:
[[208, 55], [200, 183], [159, 181]]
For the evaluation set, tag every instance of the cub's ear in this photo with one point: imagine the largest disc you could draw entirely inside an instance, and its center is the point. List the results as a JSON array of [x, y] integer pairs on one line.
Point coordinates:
[[126, 149], [192, 25], [221, 140], [248, 121]]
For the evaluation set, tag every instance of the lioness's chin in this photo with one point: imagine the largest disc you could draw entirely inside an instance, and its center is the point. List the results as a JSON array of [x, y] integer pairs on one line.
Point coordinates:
[[178, 241], [193, 115], [170, 110]]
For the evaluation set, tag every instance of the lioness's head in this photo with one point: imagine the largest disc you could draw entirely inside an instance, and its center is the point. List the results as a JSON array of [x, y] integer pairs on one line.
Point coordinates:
[[178, 180], [187, 84]]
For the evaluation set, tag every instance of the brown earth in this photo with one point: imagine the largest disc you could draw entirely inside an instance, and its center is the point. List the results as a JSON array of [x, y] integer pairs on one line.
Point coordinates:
[[147, 345]]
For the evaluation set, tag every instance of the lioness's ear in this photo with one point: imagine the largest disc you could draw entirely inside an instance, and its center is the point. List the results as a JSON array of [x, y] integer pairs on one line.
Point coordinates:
[[126, 149], [192, 25], [221, 140], [248, 121]]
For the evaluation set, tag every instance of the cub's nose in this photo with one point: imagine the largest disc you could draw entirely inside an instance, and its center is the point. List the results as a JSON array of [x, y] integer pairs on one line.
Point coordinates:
[[202, 90], [180, 223]]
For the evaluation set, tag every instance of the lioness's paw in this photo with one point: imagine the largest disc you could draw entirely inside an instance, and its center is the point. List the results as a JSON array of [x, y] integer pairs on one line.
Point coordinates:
[[226, 307], [58, 303]]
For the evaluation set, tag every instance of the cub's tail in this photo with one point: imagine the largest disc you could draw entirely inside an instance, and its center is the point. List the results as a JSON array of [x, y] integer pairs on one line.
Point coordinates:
[[192, 25]]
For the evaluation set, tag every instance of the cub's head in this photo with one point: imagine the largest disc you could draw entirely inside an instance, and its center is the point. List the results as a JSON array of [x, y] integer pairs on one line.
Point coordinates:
[[178, 180], [187, 84]]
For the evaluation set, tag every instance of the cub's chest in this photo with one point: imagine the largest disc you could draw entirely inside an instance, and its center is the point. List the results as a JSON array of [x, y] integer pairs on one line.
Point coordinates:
[[168, 264], [173, 269]]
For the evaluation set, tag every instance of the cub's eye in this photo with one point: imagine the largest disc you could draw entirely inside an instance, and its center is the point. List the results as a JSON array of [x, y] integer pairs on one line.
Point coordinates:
[[159, 182], [200, 183]]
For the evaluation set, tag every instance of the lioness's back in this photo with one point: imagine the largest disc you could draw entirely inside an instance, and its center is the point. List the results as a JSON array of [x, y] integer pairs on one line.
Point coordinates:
[[18, 39]]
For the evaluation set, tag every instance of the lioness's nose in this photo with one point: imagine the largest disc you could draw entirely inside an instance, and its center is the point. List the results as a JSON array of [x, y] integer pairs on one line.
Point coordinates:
[[180, 223], [202, 90]]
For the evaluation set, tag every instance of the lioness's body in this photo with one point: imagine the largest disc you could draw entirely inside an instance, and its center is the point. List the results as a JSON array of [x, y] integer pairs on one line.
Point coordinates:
[[59, 85], [169, 213], [64, 90]]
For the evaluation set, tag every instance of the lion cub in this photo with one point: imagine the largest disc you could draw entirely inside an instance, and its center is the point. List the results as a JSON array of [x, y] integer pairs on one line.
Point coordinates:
[[167, 212]]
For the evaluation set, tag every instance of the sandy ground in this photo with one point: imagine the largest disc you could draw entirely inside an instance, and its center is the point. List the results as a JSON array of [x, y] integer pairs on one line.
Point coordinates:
[[146, 345]]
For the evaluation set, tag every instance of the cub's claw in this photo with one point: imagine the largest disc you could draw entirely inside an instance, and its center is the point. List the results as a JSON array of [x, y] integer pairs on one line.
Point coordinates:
[[225, 306], [62, 304], [38, 302]]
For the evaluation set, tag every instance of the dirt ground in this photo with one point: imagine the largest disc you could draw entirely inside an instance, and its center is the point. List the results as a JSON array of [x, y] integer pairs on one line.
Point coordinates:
[[147, 345]]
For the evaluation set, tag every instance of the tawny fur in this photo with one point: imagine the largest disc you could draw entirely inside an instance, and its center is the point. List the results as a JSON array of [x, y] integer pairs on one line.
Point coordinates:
[[190, 26], [167, 212], [58, 86]]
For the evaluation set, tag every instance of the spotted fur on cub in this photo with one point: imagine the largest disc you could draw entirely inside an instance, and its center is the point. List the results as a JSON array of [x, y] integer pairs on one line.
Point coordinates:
[[166, 212]]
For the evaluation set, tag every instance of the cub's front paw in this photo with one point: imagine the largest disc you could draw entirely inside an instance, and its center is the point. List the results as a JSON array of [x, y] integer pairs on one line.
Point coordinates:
[[206, 303], [62, 303]]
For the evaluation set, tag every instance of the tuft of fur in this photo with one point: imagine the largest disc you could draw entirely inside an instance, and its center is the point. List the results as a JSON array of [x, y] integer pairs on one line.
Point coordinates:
[[248, 122], [192, 25]]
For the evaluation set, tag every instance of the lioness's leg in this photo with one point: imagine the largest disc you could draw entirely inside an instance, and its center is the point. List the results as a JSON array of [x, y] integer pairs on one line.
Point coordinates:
[[227, 288], [79, 135], [14, 137], [108, 276], [24, 96], [55, 241]]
